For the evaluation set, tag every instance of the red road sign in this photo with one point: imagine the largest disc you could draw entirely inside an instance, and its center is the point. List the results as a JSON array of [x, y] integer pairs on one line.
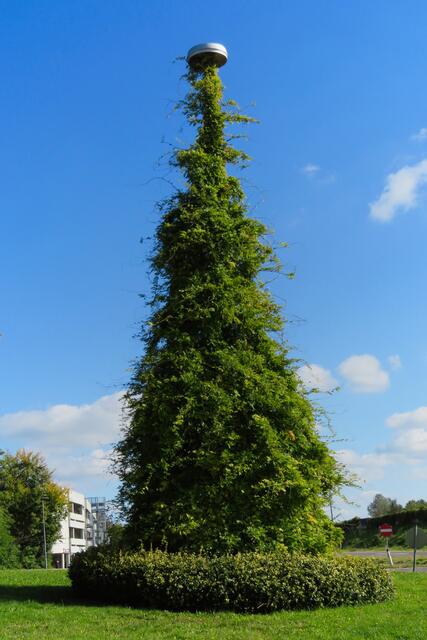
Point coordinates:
[[386, 530]]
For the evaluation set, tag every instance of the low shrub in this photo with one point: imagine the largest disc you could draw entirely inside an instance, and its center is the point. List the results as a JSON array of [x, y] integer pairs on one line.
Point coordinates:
[[247, 582]]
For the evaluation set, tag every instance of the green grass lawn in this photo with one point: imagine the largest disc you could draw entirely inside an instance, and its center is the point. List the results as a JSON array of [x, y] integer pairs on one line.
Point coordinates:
[[40, 605]]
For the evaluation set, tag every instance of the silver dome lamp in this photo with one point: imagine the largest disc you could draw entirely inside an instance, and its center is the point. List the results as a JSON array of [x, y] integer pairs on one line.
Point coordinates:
[[207, 54]]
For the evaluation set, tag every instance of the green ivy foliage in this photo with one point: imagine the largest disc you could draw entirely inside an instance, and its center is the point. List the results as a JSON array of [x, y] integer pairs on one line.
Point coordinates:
[[222, 451], [248, 582]]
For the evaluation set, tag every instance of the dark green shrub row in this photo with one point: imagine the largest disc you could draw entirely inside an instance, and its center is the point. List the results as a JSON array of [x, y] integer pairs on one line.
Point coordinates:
[[251, 582]]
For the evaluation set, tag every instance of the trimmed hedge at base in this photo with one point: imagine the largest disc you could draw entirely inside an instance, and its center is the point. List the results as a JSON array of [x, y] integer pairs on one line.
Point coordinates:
[[249, 582]]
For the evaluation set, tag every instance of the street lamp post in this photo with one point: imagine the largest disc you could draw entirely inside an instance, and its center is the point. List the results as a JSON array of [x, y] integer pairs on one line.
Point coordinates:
[[44, 533]]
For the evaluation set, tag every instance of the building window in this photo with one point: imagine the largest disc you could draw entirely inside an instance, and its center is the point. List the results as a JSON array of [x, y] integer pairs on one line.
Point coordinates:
[[77, 533], [76, 508]]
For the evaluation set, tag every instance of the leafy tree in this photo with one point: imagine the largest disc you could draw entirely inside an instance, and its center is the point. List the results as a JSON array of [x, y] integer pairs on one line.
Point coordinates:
[[116, 534], [395, 507], [8, 548], [415, 505], [222, 450], [25, 481], [381, 506]]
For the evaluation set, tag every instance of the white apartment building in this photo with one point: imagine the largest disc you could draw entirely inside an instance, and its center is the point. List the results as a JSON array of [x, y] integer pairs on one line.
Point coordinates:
[[78, 530]]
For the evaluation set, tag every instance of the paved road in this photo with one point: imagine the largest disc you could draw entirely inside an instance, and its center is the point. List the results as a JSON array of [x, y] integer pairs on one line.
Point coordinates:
[[409, 569], [394, 554], [381, 554]]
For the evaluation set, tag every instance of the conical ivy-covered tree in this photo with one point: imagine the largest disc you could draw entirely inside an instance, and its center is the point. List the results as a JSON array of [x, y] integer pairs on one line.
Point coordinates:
[[221, 451]]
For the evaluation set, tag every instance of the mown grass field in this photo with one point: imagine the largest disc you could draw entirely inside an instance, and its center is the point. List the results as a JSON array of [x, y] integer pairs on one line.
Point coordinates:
[[40, 604]]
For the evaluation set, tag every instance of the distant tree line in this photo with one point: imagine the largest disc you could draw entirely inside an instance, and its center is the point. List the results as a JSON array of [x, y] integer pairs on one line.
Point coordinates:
[[26, 483], [382, 506]]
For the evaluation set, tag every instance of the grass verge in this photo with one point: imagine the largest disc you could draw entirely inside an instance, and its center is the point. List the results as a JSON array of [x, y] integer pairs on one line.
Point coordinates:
[[40, 604]]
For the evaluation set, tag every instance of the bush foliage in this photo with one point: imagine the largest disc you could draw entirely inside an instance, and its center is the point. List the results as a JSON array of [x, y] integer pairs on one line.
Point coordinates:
[[250, 582]]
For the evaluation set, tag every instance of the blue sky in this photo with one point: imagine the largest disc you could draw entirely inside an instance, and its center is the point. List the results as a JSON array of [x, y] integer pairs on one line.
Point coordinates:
[[339, 172]]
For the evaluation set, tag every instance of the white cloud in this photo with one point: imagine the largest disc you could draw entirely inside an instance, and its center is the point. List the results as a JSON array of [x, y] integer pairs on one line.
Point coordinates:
[[421, 135], [314, 376], [410, 420], [356, 504], [401, 192], [364, 373], [372, 466], [394, 362], [87, 466], [318, 175], [411, 438], [74, 439], [310, 169], [67, 425], [401, 463], [367, 466], [412, 441]]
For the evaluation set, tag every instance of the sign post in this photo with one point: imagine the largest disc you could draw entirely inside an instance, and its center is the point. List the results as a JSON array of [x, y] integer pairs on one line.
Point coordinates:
[[386, 530], [44, 532], [416, 538], [414, 561]]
